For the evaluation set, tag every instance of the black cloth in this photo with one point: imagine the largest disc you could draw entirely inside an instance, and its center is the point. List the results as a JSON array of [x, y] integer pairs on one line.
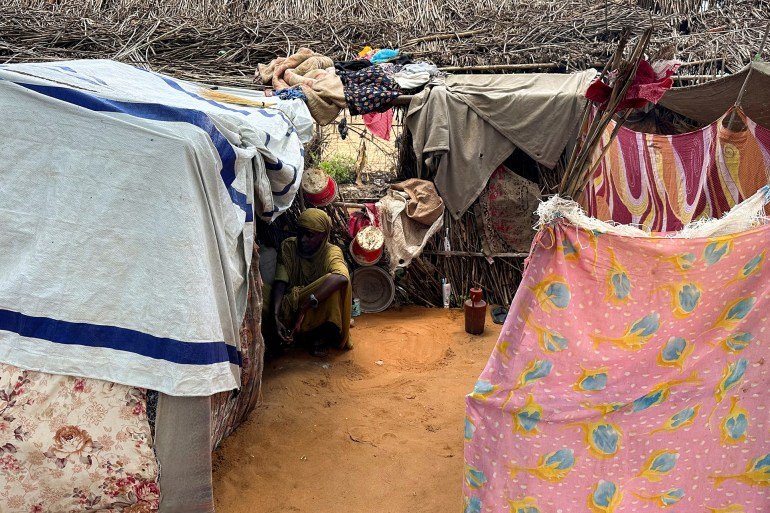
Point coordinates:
[[354, 65], [401, 60]]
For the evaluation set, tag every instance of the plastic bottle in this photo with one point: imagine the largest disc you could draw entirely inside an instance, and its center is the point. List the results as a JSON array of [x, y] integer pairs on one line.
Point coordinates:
[[446, 291], [447, 245]]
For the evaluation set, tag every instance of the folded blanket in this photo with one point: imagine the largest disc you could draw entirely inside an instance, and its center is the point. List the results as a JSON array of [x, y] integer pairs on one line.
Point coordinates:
[[302, 62], [325, 96]]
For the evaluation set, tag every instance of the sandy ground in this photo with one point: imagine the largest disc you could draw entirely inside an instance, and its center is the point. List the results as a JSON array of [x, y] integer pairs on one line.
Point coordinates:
[[346, 434]]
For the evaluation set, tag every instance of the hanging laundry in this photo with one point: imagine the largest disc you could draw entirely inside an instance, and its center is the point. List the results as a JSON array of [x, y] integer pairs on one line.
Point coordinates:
[[342, 128], [368, 90], [366, 50], [425, 205], [325, 95], [629, 373], [379, 123], [536, 113], [390, 69], [663, 182], [410, 214], [313, 75], [649, 85]]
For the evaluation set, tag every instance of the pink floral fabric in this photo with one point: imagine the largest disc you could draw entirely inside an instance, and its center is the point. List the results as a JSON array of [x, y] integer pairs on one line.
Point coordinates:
[[630, 376], [72, 445], [228, 410]]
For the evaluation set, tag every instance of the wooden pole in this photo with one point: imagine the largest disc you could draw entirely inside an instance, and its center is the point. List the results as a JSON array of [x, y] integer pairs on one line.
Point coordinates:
[[746, 80], [475, 254], [439, 37], [503, 67], [684, 78]]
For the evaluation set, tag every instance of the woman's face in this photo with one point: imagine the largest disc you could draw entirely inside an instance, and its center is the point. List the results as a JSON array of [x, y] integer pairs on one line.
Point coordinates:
[[309, 242]]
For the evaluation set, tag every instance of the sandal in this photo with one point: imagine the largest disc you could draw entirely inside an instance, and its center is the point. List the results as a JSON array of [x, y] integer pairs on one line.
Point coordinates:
[[499, 313], [319, 350]]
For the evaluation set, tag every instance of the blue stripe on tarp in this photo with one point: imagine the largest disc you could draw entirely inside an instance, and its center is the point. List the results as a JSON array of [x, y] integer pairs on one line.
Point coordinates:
[[74, 74], [274, 167], [289, 185], [176, 85], [159, 112], [271, 167], [121, 339]]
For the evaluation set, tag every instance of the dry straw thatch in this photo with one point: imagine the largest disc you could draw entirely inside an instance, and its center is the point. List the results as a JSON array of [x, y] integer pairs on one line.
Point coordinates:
[[221, 41]]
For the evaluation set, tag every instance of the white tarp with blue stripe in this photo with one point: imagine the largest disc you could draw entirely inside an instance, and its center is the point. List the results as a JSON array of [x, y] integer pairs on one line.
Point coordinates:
[[127, 203]]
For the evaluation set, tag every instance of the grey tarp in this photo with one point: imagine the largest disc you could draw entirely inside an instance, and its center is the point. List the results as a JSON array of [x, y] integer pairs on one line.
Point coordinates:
[[707, 102], [470, 125], [183, 448]]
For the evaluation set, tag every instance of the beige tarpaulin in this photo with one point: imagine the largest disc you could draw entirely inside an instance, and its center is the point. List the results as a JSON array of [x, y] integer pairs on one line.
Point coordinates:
[[536, 112], [469, 126], [707, 102]]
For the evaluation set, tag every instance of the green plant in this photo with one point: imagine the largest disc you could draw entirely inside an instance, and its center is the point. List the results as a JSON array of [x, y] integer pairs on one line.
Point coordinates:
[[340, 167]]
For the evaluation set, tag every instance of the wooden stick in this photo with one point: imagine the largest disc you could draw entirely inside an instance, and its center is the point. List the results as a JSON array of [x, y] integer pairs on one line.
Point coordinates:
[[439, 37], [503, 67], [587, 170], [581, 140], [576, 173], [475, 254], [682, 78], [702, 61], [746, 80], [347, 204]]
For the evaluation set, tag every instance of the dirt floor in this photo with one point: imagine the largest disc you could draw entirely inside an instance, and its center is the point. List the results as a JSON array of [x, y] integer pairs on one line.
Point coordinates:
[[375, 429]]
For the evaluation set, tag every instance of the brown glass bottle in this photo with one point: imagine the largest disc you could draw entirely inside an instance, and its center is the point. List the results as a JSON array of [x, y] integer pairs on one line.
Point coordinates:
[[475, 313]]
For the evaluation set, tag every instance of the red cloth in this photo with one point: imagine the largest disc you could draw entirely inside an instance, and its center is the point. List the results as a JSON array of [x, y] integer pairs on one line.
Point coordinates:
[[648, 86], [362, 219], [379, 123]]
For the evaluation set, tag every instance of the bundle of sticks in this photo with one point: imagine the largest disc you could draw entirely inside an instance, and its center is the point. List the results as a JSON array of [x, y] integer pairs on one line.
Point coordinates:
[[582, 162]]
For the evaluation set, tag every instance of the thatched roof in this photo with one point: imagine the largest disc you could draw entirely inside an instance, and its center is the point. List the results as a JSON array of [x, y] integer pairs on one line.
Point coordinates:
[[221, 41]]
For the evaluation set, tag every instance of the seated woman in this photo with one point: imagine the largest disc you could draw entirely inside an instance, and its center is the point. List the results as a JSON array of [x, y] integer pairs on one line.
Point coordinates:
[[311, 295]]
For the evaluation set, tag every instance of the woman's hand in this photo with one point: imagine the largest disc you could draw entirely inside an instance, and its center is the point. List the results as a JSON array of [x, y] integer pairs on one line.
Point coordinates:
[[284, 334]]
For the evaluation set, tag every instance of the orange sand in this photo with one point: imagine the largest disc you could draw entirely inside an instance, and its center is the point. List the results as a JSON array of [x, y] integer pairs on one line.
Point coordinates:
[[346, 435]]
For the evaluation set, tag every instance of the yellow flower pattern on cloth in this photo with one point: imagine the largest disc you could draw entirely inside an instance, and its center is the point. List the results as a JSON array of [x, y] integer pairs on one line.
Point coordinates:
[[636, 335], [552, 293], [630, 375]]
